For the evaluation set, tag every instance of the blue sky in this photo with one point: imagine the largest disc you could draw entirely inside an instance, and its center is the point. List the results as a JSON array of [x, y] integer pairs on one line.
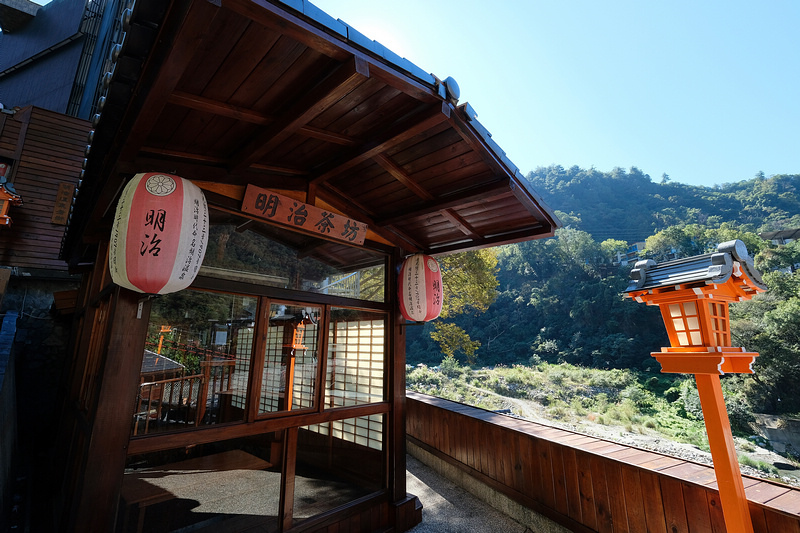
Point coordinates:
[[706, 92]]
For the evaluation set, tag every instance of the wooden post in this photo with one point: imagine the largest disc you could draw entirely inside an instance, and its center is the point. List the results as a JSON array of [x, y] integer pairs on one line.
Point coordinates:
[[726, 465], [288, 462], [110, 427]]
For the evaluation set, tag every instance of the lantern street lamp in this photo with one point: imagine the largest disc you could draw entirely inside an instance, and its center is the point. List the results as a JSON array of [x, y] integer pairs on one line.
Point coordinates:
[[693, 295], [8, 196]]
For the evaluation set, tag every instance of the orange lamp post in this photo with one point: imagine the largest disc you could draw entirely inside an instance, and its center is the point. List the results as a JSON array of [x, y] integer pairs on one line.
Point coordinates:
[[8, 196], [693, 295]]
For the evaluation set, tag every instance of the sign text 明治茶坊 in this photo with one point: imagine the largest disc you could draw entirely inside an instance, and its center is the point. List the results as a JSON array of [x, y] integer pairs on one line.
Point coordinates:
[[287, 211]]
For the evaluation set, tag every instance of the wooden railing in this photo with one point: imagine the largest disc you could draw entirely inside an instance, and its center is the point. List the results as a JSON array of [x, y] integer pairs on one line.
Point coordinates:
[[585, 483], [187, 400]]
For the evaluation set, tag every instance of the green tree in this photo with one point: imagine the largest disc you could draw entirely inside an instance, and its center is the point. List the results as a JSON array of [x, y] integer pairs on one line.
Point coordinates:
[[469, 281], [612, 247], [454, 339]]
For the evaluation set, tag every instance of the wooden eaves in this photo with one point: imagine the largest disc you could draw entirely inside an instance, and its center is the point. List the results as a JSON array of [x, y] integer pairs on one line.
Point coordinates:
[[236, 92]]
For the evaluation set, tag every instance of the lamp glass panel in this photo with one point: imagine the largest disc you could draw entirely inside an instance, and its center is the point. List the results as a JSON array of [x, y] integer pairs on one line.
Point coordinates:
[[674, 310], [679, 324], [690, 308]]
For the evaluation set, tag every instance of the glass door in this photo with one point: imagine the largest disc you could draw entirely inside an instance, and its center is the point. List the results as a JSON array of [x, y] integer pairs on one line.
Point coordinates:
[[291, 358]]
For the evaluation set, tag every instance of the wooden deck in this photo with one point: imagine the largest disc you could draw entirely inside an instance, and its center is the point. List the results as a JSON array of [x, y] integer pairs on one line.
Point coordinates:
[[586, 483]]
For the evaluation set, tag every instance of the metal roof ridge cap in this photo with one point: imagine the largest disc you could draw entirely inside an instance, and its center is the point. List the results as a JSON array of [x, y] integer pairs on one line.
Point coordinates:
[[358, 39]]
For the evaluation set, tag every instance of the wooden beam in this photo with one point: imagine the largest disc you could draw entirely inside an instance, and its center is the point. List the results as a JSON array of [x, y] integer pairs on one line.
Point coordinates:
[[207, 105], [484, 192], [346, 78], [535, 206], [219, 162], [168, 441], [330, 44], [494, 240], [460, 223], [425, 121], [192, 32], [477, 143], [336, 199], [400, 175]]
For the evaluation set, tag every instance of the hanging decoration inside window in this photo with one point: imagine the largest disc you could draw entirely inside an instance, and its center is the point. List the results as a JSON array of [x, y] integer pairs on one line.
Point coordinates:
[[159, 235], [420, 288]]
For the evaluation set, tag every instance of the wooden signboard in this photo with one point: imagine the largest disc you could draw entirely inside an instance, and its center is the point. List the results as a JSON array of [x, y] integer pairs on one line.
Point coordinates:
[[63, 202], [286, 211]]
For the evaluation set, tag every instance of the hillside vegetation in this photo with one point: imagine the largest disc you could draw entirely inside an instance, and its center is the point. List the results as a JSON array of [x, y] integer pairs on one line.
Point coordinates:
[[558, 302], [649, 411]]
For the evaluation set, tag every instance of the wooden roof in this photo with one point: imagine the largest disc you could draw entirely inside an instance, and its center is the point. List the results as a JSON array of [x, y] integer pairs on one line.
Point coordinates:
[[255, 92]]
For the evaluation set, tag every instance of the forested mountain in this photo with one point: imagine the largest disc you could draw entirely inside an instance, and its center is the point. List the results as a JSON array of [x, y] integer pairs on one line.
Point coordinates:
[[628, 205], [560, 299]]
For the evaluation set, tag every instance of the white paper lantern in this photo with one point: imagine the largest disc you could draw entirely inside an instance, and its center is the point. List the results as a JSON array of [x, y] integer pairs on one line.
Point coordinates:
[[420, 288], [160, 234]]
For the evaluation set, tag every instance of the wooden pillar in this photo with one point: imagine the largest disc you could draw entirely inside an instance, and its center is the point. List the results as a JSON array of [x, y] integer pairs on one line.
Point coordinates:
[[407, 508], [110, 427], [288, 462], [726, 465], [397, 389]]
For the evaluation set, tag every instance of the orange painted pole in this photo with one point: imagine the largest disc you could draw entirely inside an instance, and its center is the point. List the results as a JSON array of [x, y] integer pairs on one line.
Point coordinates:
[[726, 465]]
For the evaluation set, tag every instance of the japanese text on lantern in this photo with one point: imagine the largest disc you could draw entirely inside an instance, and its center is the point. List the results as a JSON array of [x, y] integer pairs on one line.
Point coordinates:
[[286, 211], [154, 221], [196, 244]]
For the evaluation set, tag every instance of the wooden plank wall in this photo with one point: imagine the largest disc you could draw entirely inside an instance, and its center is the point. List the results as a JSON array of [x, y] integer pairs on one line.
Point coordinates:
[[585, 483], [47, 149]]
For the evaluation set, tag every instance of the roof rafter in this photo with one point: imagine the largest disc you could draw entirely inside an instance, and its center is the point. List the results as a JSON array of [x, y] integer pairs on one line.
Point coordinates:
[[339, 83], [335, 198], [485, 192], [397, 135]]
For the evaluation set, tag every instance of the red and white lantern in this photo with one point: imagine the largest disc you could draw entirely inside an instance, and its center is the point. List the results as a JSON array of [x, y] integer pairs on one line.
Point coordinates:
[[420, 288], [160, 234]]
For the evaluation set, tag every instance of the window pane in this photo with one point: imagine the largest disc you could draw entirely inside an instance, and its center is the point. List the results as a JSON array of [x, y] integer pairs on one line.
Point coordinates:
[[683, 340], [693, 322], [697, 339], [674, 310], [244, 250], [290, 358], [197, 359], [230, 485], [356, 348], [678, 324], [690, 308], [340, 460]]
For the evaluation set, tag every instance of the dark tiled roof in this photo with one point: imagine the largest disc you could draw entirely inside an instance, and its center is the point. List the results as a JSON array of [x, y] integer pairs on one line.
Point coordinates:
[[153, 362], [54, 23], [783, 234], [14, 14], [708, 268], [38, 63]]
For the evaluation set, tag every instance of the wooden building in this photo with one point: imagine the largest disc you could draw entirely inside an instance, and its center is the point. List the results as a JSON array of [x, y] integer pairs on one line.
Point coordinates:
[[254, 100], [42, 153]]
